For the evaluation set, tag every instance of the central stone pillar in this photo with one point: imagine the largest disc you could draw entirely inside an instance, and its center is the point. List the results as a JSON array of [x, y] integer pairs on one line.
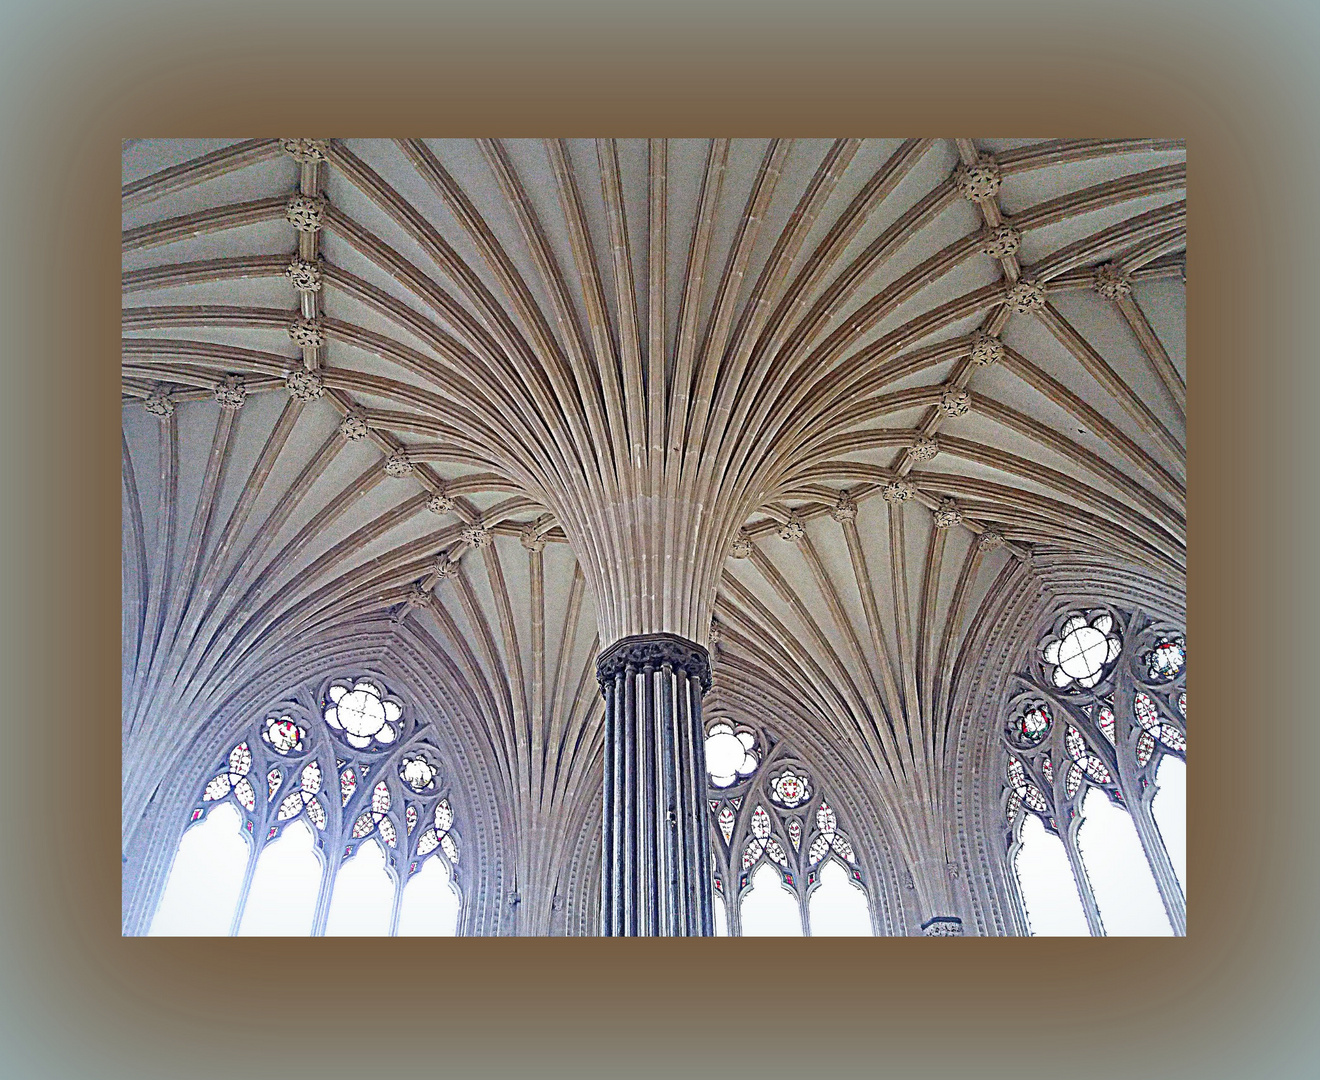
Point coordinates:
[[655, 876]]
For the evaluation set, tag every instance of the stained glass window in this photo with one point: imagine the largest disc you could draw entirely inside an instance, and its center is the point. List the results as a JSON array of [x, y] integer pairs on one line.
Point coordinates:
[[762, 842], [362, 714], [377, 817], [790, 788], [282, 899], [1047, 767], [347, 785], [725, 819], [1088, 762], [838, 906], [438, 834], [234, 779], [795, 833], [1148, 716], [1105, 721], [305, 798], [769, 909], [1027, 792], [1082, 651], [206, 878], [730, 755], [283, 735], [1034, 725], [418, 773], [274, 779], [1167, 659], [829, 838]]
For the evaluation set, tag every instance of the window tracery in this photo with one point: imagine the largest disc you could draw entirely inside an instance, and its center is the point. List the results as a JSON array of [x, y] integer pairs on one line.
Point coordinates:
[[1105, 702], [774, 831], [393, 790]]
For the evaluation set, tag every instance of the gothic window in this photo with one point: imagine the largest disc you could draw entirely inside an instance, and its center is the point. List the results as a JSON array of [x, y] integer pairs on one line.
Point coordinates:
[[784, 863], [730, 754], [356, 849], [1094, 790]]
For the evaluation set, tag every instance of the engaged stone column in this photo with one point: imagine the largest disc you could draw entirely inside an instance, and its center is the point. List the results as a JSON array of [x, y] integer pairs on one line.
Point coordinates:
[[943, 926], [655, 878]]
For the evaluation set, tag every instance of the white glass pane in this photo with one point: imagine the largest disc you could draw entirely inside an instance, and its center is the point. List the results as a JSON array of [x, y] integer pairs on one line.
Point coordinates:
[[282, 900], [206, 877], [1170, 809], [838, 906], [1116, 866], [770, 910], [430, 905], [363, 900], [1049, 890], [721, 918]]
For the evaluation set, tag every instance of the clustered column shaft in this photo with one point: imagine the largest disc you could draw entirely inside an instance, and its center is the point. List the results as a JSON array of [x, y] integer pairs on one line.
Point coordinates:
[[656, 875]]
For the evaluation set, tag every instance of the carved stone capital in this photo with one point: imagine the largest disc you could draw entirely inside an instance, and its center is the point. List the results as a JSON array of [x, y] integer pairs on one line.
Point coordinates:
[[943, 926], [306, 213], [417, 597], [1001, 242], [531, 539], [792, 530], [924, 449], [304, 385], [845, 509], [398, 464], [948, 515], [980, 180], [158, 403], [1025, 296], [898, 491], [654, 650], [440, 503], [230, 393], [741, 548], [990, 539], [307, 333], [986, 348], [304, 274], [1111, 283], [477, 535], [955, 402], [444, 567], [353, 427], [306, 150]]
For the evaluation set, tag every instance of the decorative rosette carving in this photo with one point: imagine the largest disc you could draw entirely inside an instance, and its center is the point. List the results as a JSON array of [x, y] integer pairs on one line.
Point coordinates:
[[304, 385], [741, 548], [477, 535], [306, 213], [943, 926], [158, 403], [353, 427], [398, 464], [417, 597], [986, 348], [924, 449], [990, 539], [305, 274], [948, 515], [307, 333], [230, 393], [440, 503], [845, 509], [306, 150], [898, 491], [955, 402], [1025, 296], [979, 180], [1111, 283], [792, 530], [1001, 242], [444, 567]]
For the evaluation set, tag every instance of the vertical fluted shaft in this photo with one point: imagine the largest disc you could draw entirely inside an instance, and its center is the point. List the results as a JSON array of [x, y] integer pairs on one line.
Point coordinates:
[[656, 848]]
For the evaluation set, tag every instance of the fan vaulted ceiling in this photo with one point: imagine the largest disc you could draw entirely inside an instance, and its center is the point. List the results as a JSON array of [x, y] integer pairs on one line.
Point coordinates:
[[634, 385]]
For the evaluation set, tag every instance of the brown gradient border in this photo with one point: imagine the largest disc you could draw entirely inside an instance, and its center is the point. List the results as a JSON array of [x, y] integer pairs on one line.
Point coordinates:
[[1237, 998]]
